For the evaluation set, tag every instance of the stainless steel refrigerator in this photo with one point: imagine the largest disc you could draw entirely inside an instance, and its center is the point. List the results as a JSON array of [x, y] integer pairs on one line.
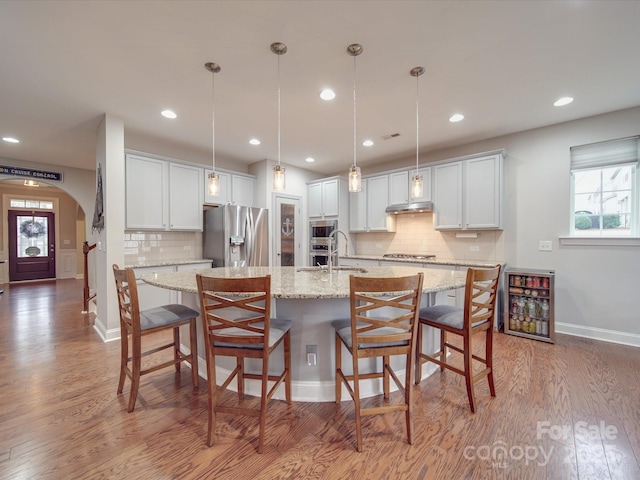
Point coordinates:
[[236, 236]]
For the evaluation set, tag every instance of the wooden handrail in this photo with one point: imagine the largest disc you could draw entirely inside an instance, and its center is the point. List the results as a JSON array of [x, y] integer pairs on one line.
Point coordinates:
[[86, 248]]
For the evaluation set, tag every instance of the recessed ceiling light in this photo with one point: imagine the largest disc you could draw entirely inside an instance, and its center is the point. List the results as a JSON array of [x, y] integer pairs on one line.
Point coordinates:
[[309, 159], [367, 143], [254, 141], [456, 117], [10, 140], [561, 102], [327, 94], [168, 114]]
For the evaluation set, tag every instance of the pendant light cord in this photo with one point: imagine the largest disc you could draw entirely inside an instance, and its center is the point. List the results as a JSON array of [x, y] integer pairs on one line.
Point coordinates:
[[354, 113], [213, 120], [417, 122], [278, 110]]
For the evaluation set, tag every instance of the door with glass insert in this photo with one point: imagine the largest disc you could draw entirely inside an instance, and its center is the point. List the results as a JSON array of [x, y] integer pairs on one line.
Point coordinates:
[[31, 245]]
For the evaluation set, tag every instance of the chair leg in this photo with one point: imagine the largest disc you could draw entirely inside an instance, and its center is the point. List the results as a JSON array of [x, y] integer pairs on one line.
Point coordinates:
[[124, 357], [419, 361], [338, 369], [443, 348], [385, 377], [489, 361], [408, 398], [212, 392], [263, 400], [468, 371], [240, 378], [193, 340], [176, 347], [356, 401], [287, 366], [136, 365]]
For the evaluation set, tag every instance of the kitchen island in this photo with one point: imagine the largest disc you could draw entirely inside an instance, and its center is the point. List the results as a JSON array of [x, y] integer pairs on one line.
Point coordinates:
[[312, 298]]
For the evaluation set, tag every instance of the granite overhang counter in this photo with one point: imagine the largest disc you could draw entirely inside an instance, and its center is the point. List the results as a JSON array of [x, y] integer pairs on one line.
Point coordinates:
[[311, 299]]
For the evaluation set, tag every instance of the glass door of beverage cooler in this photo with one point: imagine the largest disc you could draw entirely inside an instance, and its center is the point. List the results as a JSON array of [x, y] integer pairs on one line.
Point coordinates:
[[529, 303]]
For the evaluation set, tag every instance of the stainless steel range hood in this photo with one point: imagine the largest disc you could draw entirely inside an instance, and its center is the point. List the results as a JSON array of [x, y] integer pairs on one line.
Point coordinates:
[[416, 207]]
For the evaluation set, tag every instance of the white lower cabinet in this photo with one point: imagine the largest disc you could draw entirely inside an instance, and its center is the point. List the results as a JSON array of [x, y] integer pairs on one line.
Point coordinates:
[[150, 296]]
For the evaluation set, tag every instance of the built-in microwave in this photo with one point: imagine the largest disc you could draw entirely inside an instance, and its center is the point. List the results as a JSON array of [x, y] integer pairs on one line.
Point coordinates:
[[322, 228], [316, 258]]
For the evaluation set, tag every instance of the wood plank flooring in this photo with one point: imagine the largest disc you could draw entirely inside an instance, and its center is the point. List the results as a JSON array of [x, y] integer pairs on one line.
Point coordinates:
[[564, 411]]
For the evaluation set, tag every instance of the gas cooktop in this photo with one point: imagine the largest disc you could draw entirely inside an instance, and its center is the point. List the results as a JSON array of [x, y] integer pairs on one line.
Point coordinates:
[[409, 256]]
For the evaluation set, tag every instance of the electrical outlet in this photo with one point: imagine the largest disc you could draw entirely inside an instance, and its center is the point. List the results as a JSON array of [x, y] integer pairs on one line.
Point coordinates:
[[545, 246], [474, 248], [312, 355]]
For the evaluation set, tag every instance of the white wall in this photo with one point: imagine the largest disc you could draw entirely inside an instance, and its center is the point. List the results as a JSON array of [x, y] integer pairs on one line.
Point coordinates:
[[596, 286]]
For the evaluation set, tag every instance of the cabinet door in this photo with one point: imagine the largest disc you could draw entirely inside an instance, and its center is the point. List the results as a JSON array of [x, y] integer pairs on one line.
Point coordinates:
[[482, 192], [377, 202], [225, 189], [447, 196], [398, 187], [426, 185], [185, 197], [314, 192], [242, 190], [145, 186], [330, 198], [358, 209]]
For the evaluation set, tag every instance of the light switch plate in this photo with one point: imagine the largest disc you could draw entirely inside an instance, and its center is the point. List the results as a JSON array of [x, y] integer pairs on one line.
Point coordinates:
[[545, 246]]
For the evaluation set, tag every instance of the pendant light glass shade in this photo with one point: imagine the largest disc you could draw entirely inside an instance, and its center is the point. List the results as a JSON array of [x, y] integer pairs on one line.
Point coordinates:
[[278, 170], [417, 187], [355, 178], [213, 183]]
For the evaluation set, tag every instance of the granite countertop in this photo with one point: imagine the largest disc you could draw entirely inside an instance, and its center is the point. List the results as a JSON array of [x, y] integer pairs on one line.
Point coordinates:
[[425, 261], [304, 283], [168, 263]]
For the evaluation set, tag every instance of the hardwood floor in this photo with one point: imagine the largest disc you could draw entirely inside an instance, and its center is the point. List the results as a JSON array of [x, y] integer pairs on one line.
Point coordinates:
[[564, 411]]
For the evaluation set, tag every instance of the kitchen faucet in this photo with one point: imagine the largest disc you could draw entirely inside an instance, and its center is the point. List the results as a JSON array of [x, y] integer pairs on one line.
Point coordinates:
[[346, 247]]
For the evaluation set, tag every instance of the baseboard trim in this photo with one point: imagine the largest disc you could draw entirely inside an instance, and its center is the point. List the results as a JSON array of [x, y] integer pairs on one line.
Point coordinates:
[[595, 333]]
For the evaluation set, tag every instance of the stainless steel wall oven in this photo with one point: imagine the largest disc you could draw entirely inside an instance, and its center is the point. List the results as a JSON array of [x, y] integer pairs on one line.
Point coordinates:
[[319, 231]]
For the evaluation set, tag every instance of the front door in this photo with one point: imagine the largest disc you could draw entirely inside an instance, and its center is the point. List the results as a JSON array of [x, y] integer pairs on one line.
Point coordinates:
[[288, 238], [31, 245]]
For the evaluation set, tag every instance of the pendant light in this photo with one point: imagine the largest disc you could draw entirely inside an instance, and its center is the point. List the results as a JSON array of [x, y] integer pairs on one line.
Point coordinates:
[[213, 184], [416, 181], [278, 170], [355, 178]]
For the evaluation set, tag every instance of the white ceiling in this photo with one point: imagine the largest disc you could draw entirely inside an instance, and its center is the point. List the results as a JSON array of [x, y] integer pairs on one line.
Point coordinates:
[[502, 64]]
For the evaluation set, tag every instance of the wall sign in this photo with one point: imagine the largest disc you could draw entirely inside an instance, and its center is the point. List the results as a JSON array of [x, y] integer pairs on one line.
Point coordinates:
[[31, 173]]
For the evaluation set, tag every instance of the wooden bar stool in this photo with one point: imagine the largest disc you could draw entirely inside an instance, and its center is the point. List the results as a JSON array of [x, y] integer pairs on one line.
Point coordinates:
[[383, 323], [476, 317], [236, 321], [135, 324]]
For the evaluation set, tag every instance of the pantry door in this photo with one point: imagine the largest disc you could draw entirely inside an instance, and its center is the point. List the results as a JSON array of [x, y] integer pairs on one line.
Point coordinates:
[[31, 245]]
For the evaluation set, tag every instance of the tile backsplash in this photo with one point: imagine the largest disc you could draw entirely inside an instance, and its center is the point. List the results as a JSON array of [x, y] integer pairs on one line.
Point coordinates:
[[415, 234], [140, 247]]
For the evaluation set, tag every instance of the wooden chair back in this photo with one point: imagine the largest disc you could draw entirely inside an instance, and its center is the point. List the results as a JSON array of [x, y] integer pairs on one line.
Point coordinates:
[[480, 298], [127, 291], [384, 311]]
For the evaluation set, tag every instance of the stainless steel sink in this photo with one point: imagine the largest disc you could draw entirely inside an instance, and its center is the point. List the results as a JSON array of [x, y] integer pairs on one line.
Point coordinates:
[[325, 269]]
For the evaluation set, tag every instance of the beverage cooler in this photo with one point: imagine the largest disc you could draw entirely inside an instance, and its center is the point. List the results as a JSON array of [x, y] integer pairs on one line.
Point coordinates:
[[528, 305]]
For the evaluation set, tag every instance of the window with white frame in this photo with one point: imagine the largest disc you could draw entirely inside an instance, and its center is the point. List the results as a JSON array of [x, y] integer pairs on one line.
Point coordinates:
[[604, 189]]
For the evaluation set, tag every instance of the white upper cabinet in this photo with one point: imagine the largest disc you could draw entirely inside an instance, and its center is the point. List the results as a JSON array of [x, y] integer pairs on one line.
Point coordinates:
[[324, 198], [398, 187], [468, 194], [185, 197], [162, 195], [234, 188], [447, 196], [367, 207], [146, 192]]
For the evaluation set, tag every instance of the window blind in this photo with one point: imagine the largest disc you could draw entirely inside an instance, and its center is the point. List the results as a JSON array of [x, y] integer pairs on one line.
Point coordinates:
[[623, 151]]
